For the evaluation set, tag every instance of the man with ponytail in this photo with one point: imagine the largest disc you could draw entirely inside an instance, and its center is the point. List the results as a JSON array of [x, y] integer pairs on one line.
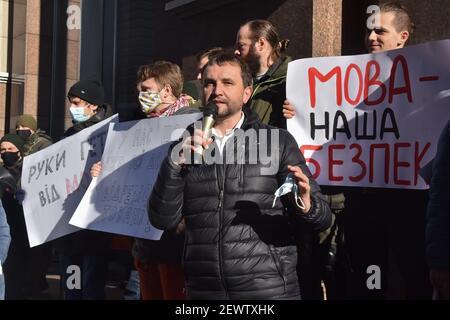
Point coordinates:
[[259, 45]]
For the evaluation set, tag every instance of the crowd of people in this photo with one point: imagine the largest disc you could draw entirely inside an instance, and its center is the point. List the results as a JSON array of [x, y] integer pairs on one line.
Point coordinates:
[[225, 237]]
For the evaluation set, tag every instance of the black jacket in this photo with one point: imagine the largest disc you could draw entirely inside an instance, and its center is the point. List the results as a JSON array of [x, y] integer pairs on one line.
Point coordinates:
[[438, 215], [17, 262], [237, 245], [103, 113]]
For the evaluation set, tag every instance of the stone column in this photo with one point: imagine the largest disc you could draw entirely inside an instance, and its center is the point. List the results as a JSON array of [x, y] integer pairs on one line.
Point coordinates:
[[73, 53], [45, 65], [327, 28], [37, 50], [12, 51]]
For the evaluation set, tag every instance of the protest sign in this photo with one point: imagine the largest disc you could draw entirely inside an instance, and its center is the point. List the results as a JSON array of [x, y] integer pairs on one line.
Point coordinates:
[[116, 201], [54, 181], [371, 120]]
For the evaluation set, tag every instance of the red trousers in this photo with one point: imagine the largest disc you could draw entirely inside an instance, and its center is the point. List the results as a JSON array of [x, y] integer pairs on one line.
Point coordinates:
[[161, 281]]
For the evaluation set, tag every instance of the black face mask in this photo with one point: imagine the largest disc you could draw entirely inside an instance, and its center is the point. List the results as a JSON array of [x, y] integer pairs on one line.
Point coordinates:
[[10, 158], [24, 134]]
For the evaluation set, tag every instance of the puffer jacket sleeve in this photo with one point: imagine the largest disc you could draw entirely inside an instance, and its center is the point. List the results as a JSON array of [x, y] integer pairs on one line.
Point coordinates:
[[438, 214], [166, 200], [320, 214], [5, 237]]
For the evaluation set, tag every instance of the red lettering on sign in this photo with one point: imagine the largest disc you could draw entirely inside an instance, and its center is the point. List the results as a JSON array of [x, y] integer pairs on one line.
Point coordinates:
[[398, 164], [313, 73], [332, 162], [311, 160]]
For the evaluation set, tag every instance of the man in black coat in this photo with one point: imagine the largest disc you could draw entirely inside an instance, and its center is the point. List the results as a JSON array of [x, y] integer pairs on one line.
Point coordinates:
[[86, 249], [438, 218], [240, 239]]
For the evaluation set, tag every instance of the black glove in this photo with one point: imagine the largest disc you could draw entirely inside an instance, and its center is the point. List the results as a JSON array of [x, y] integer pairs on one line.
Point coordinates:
[[7, 181]]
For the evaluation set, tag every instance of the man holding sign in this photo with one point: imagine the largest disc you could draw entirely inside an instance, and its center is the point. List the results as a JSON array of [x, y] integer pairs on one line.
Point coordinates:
[[86, 249], [392, 219], [378, 222]]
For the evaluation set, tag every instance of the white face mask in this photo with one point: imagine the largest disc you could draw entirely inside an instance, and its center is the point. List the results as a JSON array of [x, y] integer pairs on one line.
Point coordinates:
[[149, 101], [78, 114], [289, 185]]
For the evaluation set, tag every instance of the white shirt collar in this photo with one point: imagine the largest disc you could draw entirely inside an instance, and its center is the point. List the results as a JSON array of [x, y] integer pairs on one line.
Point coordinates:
[[229, 132], [220, 141]]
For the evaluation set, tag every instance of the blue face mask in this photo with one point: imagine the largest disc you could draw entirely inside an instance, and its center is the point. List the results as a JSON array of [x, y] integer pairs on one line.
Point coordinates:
[[78, 114]]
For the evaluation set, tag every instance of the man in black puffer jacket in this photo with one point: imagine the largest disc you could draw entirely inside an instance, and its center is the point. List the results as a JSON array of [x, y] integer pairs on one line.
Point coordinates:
[[240, 244]]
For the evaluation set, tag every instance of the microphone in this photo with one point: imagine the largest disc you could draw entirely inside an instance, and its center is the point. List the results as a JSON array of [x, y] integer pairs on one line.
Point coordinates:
[[209, 118], [210, 113]]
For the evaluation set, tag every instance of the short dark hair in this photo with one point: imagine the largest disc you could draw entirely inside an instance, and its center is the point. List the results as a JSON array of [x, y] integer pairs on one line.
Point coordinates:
[[265, 29], [224, 57], [164, 72], [208, 53], [402, 19]]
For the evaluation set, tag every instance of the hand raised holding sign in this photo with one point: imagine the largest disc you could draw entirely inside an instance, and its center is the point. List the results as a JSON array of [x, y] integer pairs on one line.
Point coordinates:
[[288, 110]]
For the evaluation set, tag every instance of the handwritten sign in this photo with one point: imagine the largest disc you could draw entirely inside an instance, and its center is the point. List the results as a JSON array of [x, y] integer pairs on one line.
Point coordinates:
[[371, 120], [116, 202], [54, 181]]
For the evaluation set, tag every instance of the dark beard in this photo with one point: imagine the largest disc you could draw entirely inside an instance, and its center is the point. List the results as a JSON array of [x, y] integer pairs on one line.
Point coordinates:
[[252, 60], [228, 113]]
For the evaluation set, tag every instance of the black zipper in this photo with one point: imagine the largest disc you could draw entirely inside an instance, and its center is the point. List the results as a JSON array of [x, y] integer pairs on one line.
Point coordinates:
[[221, 183], [240, 165], [277, 262]]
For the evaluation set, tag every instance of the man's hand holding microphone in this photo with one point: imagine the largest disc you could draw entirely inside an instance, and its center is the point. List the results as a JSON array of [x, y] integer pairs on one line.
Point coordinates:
[[201, 139]]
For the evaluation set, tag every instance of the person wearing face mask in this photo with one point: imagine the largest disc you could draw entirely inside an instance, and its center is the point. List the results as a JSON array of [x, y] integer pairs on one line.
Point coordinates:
[[16, 268], [160, 87], [12, 148], [87, 106], [158, 263], [26, 268], [7, 182], [35, 138], [87, 249]]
